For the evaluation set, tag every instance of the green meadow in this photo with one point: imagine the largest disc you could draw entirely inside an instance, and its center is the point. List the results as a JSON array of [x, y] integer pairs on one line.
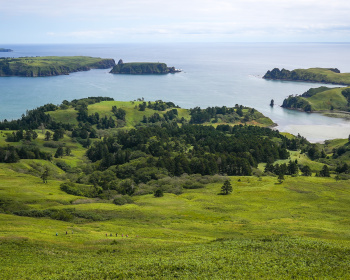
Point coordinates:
[[264, 229], [267, 228]]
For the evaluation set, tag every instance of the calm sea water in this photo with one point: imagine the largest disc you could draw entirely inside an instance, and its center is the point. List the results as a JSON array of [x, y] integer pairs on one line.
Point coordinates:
[[215, 74]]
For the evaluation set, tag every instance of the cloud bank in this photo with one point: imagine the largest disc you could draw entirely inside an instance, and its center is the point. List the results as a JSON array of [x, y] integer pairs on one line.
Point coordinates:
[[154, 20]]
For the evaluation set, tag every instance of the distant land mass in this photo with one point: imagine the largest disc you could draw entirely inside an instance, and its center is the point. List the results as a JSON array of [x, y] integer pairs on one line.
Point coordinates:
[[5, 50], [317, 75], [139, 68], [51, 65]]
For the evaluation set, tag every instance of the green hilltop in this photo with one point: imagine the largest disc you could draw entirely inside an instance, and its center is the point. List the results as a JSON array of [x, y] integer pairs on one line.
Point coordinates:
[[102, 189], [322, 99], [51, 65], [316, 75]]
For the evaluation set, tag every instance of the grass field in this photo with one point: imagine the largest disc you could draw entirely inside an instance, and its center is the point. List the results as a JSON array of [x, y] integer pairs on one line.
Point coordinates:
[[297, 229]]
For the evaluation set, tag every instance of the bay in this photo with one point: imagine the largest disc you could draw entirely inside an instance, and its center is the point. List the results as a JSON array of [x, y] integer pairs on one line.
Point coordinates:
[[214, 74]]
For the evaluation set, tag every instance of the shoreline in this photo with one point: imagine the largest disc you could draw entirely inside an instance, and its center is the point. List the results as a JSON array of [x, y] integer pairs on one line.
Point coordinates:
[[326, 113]]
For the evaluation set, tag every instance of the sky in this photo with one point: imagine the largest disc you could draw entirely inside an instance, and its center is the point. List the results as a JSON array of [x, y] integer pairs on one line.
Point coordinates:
[[125, 21]]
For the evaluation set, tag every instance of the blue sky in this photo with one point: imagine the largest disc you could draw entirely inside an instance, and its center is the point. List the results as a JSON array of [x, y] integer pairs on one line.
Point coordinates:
[[116, 21]]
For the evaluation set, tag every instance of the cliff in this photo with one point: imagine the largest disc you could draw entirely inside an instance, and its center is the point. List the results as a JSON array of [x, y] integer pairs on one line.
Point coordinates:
[[139, 68], [51, 65]]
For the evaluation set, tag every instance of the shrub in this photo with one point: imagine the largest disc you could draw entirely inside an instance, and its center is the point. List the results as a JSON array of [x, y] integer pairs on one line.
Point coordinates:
[[122, 199]]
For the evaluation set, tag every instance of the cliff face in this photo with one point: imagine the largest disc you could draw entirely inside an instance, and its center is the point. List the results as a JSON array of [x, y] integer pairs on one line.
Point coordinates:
[[142, 68], [50, 66]]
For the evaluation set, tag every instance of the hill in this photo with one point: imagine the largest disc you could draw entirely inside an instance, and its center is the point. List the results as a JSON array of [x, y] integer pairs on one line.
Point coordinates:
[[51, 65], [138, 68], [320, 99], [316, 75], [102, 189]]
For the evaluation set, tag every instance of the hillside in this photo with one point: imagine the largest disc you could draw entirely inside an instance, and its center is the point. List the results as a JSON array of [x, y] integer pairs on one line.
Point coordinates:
[[102, 189], [320, 99], [316, 75], [51, 65], [138, 68]]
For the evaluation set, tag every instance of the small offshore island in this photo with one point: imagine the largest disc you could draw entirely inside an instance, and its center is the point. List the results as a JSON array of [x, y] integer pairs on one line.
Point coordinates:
[[51, 65], [142, 68], [5, 50]]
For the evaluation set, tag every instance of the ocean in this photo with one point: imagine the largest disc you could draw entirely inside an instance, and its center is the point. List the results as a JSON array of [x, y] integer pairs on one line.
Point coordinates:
[[214, 74]]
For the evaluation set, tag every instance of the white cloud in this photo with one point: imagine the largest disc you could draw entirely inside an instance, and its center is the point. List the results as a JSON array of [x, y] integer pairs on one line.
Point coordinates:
[[106, 18]]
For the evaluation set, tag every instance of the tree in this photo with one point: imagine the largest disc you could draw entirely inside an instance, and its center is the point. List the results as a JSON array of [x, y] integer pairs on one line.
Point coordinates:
[[226, 188], [158, 193], [324, 172], [280, 177], [59, 152], [45, 175], [306, 170]]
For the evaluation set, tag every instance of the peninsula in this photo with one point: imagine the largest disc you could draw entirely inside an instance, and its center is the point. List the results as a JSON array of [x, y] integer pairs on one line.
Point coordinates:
[[140, 68], [316, 75], [5, 50], [51, 65]]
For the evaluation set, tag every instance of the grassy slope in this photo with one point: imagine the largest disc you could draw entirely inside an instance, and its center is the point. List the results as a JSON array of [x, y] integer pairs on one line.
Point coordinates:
[[324, 100], [299, 228], [335, 78], [266, 229]]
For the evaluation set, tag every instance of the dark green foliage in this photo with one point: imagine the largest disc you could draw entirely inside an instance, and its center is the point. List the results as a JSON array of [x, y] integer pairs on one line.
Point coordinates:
[[45, 175], [158, 193], [343, 168], [59, 152], [324, 171], [12, 154], [306, 170], [142, 68], [119, 113], [226, 188], [160, 105], [122, 199], [225, 150], [314, 91], [298, 75], [346, 94], [296, 102], [79, 189]]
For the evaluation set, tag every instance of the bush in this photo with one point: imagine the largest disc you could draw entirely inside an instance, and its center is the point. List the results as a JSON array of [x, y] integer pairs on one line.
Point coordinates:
[[79, 189], [123, 199]]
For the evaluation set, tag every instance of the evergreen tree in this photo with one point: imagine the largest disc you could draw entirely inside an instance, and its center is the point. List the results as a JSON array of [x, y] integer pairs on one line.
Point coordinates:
[[226, 188]]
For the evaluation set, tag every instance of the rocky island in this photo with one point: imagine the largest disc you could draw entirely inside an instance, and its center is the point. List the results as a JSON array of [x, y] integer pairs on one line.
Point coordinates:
[[316, 75], [51, 65], [140, 68], [5, 50]]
